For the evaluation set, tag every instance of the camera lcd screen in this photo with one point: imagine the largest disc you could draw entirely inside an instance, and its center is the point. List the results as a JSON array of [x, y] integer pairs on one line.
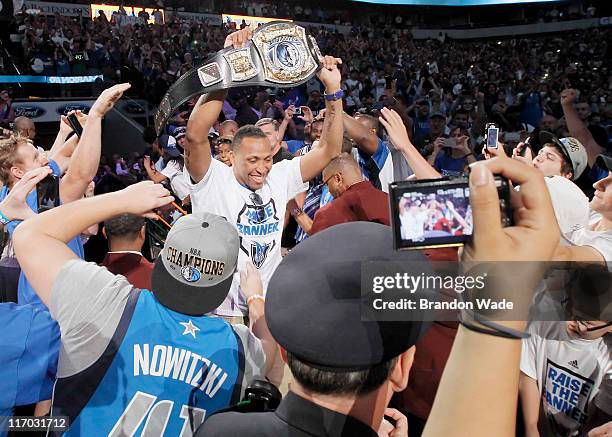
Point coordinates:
[[431, 215]]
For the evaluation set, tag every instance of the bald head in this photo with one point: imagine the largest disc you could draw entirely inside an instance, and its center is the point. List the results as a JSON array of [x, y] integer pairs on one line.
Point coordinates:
[[342, 172], [25, 127], [228, 128]]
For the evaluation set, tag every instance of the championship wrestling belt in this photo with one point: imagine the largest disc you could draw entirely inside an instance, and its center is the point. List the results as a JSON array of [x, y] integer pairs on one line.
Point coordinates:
[[280, 54]]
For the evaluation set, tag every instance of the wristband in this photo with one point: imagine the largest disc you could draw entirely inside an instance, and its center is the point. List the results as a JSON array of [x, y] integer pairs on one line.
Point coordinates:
[[3, 219], [494, 329], [255, 297], [487, 331], [297, 211], [334, 96]]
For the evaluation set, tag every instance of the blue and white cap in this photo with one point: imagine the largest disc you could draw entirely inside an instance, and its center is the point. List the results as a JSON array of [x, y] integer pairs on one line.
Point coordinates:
[[194, 271]]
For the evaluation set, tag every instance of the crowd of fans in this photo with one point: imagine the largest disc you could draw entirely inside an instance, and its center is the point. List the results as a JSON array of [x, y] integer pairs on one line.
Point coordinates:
[[282, 166]]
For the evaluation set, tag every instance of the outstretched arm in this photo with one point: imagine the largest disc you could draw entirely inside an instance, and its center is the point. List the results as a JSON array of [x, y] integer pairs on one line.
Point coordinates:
[[313, 163], [366, 139], [487, 406], [86, 158], [577, 128], [204, 116], [48, 233], [394, 125]]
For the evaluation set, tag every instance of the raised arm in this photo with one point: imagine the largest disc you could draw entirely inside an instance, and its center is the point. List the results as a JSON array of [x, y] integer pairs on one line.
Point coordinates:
[[62, 150], [153, 174], [40, 242], [487, 406], [204, 116], [365, 139], [396, 129], [577, 128], [313, 163], [86, 157]]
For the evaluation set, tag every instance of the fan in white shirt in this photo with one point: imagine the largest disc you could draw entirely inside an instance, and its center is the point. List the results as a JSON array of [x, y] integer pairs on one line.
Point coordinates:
[[253, 193]]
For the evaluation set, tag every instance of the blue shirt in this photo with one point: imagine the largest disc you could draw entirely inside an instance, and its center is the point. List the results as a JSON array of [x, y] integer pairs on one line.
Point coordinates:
[[448, 165], [379, 157], [28, 358], [25, 292], [295, 145]]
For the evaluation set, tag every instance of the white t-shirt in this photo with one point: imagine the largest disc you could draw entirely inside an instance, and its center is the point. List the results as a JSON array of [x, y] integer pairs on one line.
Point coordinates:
[[260, 226], [569, 202], [177, 181], [599, 240], [413, 224], [571, 374]]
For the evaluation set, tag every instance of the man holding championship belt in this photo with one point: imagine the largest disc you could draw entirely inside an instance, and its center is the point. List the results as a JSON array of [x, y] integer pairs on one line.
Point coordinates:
[[252, 194]]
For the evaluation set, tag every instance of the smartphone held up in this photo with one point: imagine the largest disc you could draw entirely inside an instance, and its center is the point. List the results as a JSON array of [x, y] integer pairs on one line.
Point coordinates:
[[47, 193], [492, 133]]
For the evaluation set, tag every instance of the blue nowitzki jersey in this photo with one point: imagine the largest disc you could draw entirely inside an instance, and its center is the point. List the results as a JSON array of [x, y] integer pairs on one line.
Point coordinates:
[[162, 373]]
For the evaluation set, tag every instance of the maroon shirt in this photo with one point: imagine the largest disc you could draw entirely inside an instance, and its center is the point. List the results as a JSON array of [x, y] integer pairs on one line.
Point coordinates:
[[135, 267], [360, 203]]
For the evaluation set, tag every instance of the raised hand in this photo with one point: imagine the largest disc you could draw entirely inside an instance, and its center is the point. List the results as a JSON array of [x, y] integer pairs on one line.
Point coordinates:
[[329, 74], [307, 116], [14, 206], [239, 39], [289, 112], [568, 96], [144, 197], [517, 154], [395, 127], [107, 100]]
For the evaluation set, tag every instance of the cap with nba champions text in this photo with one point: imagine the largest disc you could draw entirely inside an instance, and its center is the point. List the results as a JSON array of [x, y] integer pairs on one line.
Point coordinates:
[[193, 273]]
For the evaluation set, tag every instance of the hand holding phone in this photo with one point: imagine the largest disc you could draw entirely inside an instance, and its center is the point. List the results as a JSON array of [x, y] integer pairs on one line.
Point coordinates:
[[492, 133], [47, 193], [75, 124], [450, 142]]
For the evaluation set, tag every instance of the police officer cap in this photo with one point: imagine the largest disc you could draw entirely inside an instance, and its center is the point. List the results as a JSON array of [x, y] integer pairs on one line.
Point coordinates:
[[313, 303]]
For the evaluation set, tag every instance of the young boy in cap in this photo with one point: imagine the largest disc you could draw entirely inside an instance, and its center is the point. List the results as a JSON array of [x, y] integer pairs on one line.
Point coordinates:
[[129, 354], [561, 161]]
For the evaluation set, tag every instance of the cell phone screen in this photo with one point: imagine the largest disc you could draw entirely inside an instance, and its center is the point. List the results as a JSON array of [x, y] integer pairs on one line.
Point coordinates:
[[492, 133], [47, 191], [170, 213]]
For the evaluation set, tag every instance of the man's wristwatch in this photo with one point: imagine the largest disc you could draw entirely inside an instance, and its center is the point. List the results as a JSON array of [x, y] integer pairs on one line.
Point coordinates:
[[334, 96]]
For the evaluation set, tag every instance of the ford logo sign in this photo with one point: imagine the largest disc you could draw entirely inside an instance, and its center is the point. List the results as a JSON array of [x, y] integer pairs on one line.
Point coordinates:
[[30, 111], [64, 110]]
